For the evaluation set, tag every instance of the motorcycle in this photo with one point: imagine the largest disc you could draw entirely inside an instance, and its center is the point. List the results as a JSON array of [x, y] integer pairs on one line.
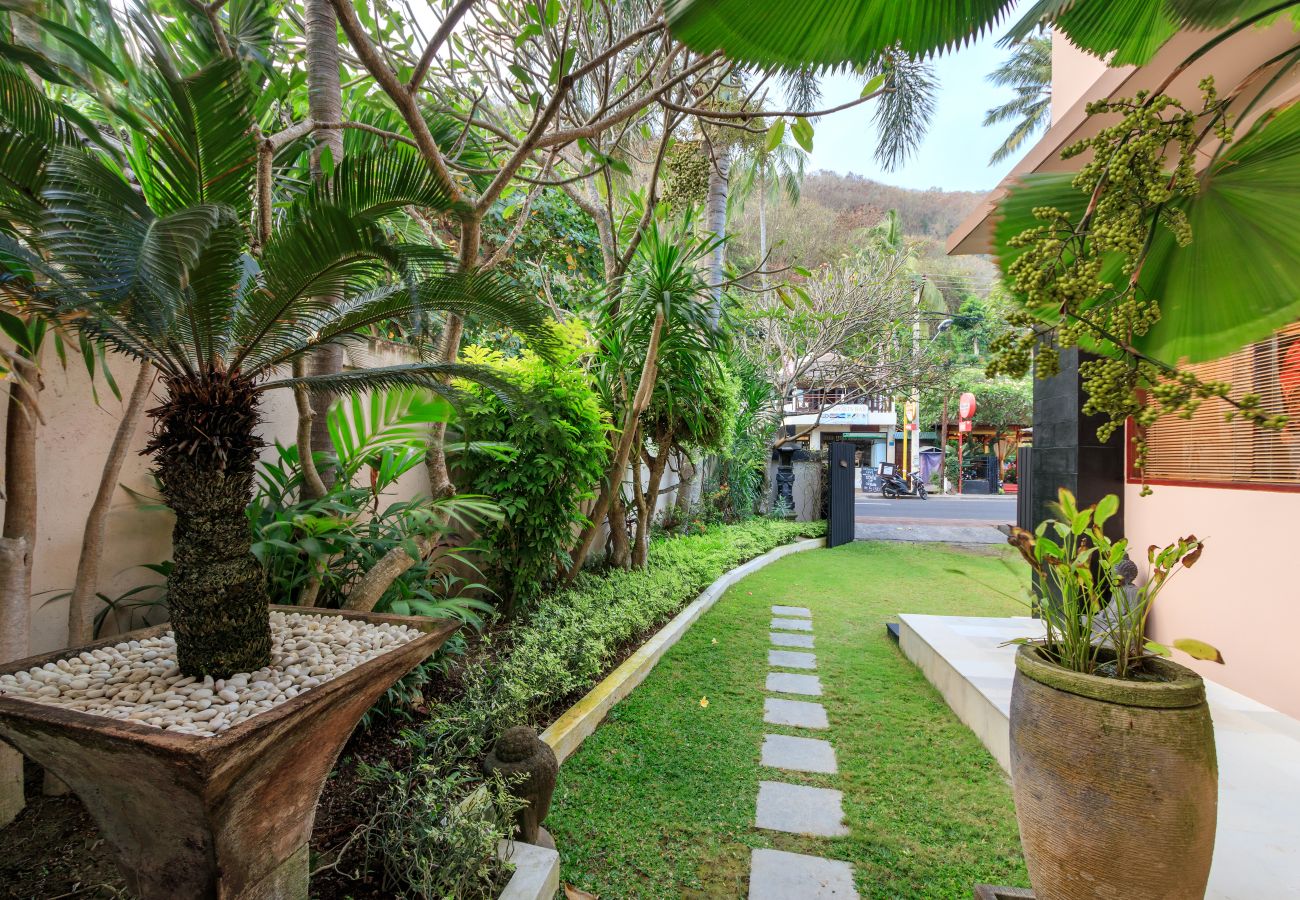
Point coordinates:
[[894, 485]]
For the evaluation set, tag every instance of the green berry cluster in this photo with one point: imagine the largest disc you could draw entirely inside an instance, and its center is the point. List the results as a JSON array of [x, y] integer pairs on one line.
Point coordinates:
[[1078, 276], [685, 179]]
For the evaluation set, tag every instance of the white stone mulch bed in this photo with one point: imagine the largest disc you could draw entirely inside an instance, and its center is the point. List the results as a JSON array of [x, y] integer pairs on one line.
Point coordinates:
[[139, 680]]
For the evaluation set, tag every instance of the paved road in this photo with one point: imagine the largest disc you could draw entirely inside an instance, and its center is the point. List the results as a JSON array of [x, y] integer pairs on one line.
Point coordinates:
[[998, 510]]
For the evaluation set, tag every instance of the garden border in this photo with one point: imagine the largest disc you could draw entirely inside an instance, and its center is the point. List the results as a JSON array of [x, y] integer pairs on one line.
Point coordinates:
[[566, 734]]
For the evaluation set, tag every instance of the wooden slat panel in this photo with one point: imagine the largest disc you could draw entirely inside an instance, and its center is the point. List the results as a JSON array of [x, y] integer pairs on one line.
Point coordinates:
[[1208, 448]]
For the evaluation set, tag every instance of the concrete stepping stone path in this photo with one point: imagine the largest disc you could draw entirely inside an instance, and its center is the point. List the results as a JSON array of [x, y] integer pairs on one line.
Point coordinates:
[[795, 713], [786, 683], [782, 639], [802, 612], [797, 808], [799, 754], [791, 659], [777, 875]]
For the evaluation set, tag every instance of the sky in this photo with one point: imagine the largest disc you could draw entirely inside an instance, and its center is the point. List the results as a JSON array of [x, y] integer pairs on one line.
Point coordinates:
[[956, 150]]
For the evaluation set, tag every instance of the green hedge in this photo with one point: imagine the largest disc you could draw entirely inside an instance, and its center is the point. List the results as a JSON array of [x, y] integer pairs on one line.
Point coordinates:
[[568, 644], [413, 841]]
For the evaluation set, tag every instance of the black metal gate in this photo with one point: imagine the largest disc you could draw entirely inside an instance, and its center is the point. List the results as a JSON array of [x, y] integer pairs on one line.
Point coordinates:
[[839, 482]]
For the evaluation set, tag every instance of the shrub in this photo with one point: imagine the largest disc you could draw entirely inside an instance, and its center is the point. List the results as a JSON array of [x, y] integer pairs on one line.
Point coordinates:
[[562, 648], [553, 466]]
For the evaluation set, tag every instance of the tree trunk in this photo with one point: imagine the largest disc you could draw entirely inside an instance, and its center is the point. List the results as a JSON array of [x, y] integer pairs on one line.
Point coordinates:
[[19, 528], [641, 550], [618, 465], [325, 108], [686, 473], [715, 220], [435, 455], [205, 450], [81, 604], [620, 554]]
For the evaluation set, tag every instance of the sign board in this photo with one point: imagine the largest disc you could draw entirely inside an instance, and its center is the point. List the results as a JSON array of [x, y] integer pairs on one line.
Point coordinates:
[[869, 479], [964, 425], [966, 406], [909, 411]]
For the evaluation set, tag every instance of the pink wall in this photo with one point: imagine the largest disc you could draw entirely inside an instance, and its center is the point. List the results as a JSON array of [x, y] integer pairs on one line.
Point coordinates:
[[1074, 71], [1243, 596]]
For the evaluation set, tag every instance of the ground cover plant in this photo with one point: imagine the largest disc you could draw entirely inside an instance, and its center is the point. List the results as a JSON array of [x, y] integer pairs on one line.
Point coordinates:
[[660, 801]]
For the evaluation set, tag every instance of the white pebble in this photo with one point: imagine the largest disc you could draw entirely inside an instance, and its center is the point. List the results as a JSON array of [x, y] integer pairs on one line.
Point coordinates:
[[139, 681]]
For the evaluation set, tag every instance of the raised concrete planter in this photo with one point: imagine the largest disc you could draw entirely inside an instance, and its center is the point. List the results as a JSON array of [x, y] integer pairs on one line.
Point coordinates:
[[1258, 839], [568, 732], [224, 816], [537, 871]]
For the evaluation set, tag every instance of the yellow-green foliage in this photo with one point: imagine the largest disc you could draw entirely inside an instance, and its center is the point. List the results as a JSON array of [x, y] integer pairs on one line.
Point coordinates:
[[555, 464]]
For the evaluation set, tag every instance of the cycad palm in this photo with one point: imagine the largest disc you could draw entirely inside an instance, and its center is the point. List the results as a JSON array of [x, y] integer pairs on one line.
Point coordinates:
[[1028, 71], [157, 262]]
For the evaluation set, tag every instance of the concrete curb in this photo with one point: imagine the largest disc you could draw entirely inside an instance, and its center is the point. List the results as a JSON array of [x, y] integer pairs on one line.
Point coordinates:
[[568, 732], [537, 871]]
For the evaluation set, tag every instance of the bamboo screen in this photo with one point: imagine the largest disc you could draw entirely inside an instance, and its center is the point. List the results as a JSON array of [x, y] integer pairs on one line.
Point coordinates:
[[1208, 448]]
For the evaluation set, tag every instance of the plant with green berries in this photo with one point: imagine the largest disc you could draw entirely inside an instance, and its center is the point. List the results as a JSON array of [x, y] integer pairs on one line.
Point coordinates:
[[1078, 275]]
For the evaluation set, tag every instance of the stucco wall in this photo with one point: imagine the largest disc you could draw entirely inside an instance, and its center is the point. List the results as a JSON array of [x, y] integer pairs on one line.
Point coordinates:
[[1073, 72], [1243, 596], [71, 449]]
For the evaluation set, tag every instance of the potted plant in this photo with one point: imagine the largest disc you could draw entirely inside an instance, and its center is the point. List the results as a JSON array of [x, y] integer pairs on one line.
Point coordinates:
[[1112, 748], [201, 746]]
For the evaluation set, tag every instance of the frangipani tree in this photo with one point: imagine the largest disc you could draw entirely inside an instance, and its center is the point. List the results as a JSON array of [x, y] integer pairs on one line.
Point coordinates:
[[152, 253]]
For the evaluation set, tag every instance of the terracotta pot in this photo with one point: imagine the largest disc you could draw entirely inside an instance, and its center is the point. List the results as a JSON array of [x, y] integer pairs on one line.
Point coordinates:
[[1115, 782], [226, 816]]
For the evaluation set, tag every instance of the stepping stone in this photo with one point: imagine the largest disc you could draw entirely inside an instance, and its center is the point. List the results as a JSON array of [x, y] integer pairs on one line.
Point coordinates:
[[791, 625], [800, 810], [777, 875], [803, 611], [787, 683], [798, 713], [792, 659], [799, 754], [781, 639]]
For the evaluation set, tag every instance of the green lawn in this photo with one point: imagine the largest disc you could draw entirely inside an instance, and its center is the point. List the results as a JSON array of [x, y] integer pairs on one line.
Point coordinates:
[[659, 802]]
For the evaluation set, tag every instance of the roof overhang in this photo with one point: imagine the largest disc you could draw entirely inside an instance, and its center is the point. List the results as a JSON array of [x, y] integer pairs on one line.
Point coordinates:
[[1230, 62]]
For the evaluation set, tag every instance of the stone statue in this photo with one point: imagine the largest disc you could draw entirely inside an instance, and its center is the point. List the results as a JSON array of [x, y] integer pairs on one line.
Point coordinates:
[[519, 752], [1123, 604]]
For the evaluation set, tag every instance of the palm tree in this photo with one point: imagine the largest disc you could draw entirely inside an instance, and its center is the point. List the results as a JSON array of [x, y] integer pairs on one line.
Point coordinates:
[[1028, 71], [768, 175], [153, 255]]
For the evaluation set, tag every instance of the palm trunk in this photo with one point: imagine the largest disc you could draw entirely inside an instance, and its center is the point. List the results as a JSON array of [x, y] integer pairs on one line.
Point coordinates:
[[81, 605], [762, 231], [715, 220], [205, 450], [325, 108]]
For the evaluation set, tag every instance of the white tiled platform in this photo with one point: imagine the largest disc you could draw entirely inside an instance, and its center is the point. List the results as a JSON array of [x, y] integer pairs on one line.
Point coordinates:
[[1257, 848]]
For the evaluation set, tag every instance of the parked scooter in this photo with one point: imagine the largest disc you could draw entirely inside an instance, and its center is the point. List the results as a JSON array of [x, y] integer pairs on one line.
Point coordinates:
[[894, 485]]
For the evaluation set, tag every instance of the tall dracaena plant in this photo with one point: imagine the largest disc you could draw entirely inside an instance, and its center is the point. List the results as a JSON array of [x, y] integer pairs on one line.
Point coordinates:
[[155, 262]]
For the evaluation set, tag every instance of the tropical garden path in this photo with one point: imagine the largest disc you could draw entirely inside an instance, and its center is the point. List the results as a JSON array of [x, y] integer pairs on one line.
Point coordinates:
[[663, 800], [793, 808]]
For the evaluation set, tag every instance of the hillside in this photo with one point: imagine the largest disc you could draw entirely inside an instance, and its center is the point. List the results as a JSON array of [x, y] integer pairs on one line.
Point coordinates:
[[833, 210]]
